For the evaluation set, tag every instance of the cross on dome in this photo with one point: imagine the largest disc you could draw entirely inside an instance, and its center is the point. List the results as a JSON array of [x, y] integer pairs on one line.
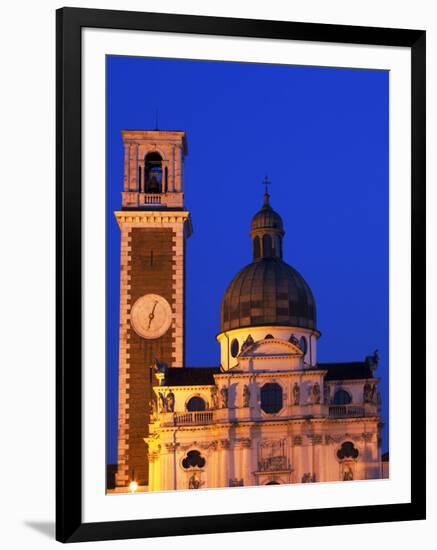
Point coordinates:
[[266, 182]]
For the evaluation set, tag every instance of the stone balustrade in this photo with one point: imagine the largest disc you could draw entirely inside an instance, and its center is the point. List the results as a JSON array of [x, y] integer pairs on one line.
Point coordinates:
[[346, 411], [134, 199]]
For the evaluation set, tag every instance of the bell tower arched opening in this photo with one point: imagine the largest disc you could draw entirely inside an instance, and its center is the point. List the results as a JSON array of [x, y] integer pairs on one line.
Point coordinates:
[[153, 173]]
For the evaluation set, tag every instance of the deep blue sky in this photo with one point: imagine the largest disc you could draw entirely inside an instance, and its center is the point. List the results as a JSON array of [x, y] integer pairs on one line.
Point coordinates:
[[321, 135]]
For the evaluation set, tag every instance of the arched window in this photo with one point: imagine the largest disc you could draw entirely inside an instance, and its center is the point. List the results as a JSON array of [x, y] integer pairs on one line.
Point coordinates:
[[278, 251], [196, 404], [153, 173], [268, 337], [193, 459], [256, 248], [267, 246], [271, 398], [342, 397], [303, 344]]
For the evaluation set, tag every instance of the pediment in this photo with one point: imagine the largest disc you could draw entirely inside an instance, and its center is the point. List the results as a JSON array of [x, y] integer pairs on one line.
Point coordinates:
[[272, 348]]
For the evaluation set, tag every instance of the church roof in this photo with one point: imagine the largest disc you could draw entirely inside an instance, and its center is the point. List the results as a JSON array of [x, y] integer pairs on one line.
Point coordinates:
[[346, 371], [190, 376], [268, 292]]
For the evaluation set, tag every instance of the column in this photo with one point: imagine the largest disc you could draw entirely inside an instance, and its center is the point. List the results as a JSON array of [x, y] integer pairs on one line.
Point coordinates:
[[126, 168], [246, 461], [137, 183], [224, 462], [171, 171]]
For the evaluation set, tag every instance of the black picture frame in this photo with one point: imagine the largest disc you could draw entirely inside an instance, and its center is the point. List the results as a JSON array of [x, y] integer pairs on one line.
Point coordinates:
[[69, 525]]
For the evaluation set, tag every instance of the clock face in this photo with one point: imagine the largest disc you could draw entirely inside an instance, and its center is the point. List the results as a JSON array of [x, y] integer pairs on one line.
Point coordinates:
[[151, 316]]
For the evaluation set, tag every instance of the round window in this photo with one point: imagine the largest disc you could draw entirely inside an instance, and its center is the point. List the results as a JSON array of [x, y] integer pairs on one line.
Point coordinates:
[[235, 347]]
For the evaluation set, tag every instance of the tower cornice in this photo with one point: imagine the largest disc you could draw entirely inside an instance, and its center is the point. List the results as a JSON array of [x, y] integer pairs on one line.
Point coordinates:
[[154, 217]]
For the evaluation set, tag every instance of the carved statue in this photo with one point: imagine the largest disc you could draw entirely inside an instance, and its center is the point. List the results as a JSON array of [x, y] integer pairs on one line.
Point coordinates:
[[163, 403], [378, 400], [214, 397], [160, 367], [348, 475], [372, 360], [296, 394], [326, 394], [170, 402], [316, 393], [193, 482], [367, 390], [224, 397], [152, 407], [246, 396]]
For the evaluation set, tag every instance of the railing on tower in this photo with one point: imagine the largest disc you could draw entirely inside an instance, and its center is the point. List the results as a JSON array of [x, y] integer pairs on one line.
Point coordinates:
[[152, 199]]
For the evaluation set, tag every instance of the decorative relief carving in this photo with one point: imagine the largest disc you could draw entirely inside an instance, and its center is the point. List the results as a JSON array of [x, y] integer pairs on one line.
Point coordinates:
[[315, 394], [194, 482], [326, 394], [316, 439], [246, 396], [208, 445], [214, 397], [225, 443], [224, 397], [170, 400], [273, 456], [337, 438], [171, 447], [297, 440], [296, 394]]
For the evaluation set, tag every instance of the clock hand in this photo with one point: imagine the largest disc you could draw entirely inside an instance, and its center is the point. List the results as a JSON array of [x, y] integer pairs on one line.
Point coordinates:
[[152, 314]]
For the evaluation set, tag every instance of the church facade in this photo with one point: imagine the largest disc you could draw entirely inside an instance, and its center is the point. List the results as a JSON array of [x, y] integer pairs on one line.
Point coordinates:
[[270, 413]]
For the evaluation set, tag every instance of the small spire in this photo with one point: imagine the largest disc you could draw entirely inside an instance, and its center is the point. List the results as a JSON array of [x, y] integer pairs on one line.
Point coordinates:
[[266, 182]]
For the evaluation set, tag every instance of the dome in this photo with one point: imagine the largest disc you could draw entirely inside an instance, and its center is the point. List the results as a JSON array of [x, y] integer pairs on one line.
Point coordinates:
[[268, 292], [267, 218]]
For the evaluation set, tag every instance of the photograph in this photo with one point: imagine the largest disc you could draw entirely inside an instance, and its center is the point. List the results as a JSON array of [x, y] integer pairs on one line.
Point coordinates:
[[247, 275]]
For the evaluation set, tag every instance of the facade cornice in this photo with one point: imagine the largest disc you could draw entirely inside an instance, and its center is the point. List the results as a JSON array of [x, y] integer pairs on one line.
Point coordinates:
[[374, 380]]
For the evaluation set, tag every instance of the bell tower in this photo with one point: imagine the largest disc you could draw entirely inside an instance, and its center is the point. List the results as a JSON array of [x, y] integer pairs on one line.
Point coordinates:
[[154, 226]]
